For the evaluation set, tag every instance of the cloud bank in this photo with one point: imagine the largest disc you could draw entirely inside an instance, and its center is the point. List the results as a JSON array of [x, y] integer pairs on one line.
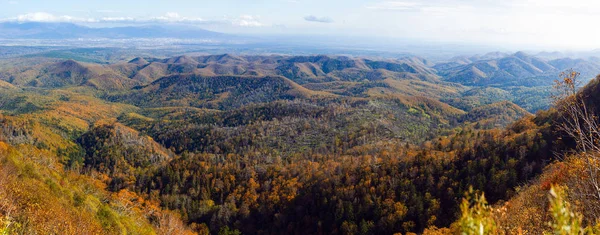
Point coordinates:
[[47, 17], [169, 17]]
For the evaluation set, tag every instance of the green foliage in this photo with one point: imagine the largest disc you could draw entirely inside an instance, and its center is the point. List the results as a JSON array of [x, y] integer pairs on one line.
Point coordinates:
[[19, 105], [476, 215], [564, 220], [221, 92], [74, 156], [119, 151], [78, 199], [109, 220], [8, 226], [288, 127], [225, 230]]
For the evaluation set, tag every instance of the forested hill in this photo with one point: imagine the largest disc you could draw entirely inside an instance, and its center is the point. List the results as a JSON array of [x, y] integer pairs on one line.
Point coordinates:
[[519, 69], [229, 144]]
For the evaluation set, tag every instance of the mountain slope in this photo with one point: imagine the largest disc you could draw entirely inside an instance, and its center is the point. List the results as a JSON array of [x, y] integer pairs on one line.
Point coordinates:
[[68, 73], [517, 69], [218, 92], [389, 152], [495, 115]]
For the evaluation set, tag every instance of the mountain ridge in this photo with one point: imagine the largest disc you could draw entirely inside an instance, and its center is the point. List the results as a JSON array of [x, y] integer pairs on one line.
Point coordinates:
[[519, 68], [37, 30]]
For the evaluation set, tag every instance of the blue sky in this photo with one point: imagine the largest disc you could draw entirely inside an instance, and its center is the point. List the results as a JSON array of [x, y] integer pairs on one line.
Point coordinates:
[[541, 23]]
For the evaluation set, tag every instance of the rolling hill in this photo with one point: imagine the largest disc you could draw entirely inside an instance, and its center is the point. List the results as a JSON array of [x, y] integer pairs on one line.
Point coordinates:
[[320, 72], [271, 144], [519, 69], [216, 92], [496, 114], [68, 73]]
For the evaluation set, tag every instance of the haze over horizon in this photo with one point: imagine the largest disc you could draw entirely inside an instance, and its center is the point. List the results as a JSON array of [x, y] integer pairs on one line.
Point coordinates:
[[529, 24]]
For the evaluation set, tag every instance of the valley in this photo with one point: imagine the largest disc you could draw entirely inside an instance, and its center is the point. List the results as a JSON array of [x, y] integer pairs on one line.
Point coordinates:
[[162, 143]]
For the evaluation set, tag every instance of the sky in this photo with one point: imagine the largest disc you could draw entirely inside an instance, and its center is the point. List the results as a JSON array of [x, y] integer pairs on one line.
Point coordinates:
[[533, 23]]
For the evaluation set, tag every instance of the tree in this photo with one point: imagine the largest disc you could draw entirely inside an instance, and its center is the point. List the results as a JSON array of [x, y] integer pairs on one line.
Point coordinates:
[[579, 121]]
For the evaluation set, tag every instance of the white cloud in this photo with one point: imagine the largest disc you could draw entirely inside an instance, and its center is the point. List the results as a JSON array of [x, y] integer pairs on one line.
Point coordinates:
[[47, 17], [247, 21], [169, 17], [117, 19], [313, 18], [175, 17]]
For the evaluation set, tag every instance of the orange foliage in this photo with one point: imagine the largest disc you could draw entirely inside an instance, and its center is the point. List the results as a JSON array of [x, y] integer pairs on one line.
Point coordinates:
[[3, 147]]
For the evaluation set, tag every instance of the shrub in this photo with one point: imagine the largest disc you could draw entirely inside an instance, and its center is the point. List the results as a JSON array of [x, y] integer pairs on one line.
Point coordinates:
[[476, 215]]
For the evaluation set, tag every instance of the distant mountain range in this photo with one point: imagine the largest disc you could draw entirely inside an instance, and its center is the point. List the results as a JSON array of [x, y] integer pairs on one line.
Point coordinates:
[[36, 30], [513, 69], [323, 70], [463, 82]]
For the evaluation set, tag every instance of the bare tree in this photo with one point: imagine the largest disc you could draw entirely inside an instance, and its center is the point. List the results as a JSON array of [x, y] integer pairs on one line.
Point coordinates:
[[580, 123]]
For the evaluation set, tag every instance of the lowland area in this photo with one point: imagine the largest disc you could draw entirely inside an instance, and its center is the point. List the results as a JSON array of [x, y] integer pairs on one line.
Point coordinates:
[[104, 141]]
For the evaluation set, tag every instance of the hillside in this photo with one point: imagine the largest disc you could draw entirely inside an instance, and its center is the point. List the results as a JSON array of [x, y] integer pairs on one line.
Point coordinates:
[[67, 73], [562, 199], [517, 76], [269, 144], [218, 92], [44, 191], [516, 69], [495, 115], [526, 79], [288, 127]]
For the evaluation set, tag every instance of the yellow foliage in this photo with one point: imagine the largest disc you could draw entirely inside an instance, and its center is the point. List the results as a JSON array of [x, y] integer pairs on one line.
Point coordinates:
[[38, 197], [437, 231]]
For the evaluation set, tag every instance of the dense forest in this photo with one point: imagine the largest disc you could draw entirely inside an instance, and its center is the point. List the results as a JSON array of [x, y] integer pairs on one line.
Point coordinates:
[[377, 188], [226, 144]]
